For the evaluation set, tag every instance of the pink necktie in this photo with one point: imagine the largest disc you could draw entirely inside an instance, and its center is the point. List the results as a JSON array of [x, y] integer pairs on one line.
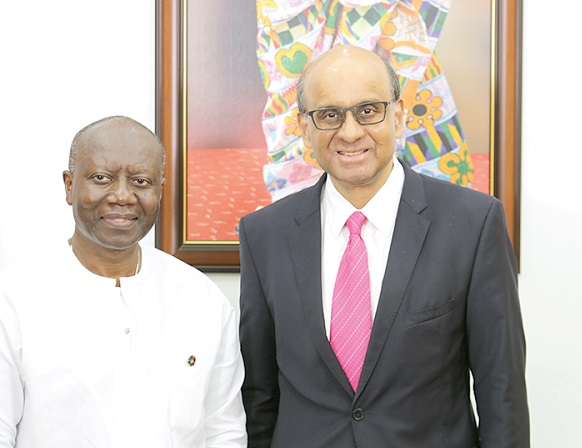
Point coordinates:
[[351, 316]]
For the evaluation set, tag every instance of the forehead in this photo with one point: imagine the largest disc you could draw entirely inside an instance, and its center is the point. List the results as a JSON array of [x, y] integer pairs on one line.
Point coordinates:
[[119, 147], [345, 81]]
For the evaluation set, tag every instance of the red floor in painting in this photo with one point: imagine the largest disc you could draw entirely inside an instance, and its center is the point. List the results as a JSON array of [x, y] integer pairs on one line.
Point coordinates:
[[481, 176], [223, 185], [226, 184]]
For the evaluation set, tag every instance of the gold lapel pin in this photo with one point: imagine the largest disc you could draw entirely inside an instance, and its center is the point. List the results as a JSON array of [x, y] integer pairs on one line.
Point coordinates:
[[191, 360]]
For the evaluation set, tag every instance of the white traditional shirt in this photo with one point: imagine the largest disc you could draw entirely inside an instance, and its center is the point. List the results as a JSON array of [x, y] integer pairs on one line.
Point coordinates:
[[153, 363], [376, 232]]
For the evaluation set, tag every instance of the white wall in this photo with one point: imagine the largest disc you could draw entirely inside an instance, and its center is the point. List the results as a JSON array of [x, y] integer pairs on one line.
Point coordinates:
[[66, 63], [551, 229]]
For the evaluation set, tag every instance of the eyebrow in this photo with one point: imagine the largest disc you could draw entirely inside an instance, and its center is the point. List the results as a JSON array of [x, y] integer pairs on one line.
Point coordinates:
[[355, 104]]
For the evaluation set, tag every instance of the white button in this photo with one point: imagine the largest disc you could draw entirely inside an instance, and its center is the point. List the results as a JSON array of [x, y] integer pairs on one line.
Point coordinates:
[[127, 330]]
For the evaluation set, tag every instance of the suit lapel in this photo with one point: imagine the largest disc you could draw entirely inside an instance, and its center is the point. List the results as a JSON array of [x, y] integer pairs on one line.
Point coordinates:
[[305, 248], [409, 235]]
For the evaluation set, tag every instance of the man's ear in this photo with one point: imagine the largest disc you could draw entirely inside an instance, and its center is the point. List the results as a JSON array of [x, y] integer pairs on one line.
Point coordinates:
[[399, 118], [68, 181], [162, 187], [302, 121]]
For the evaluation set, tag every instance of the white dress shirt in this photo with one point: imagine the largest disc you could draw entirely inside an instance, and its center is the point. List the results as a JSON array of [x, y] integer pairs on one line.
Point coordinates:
[[376, 232], [86, 364]]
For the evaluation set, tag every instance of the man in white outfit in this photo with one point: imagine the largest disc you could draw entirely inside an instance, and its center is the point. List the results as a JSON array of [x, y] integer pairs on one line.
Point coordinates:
[[106, 343]]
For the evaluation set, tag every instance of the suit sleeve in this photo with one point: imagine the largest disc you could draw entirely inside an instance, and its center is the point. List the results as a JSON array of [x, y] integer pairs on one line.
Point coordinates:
[[496, 339], [257, 332]]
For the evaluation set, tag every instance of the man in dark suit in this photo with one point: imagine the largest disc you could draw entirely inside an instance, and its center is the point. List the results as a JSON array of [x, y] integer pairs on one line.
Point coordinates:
[[432, 291]]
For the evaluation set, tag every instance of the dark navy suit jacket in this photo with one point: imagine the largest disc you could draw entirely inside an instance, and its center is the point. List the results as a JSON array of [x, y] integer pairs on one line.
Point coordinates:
[[449, 305]]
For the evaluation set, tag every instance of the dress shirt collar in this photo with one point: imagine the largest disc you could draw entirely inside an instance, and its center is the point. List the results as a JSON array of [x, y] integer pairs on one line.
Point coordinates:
[[379, 210]]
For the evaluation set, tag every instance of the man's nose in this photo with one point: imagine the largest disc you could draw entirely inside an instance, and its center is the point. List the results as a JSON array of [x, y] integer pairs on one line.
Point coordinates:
[[350, 129], [121, 192]]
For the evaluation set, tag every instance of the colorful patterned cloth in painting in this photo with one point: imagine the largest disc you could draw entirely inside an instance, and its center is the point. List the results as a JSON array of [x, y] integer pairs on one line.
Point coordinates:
[[291, 33]]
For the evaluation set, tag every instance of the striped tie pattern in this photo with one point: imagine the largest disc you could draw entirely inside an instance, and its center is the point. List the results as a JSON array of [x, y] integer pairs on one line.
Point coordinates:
[[351, 315]]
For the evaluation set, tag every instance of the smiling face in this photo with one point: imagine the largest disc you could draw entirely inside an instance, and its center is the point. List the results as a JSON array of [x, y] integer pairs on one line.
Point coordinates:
[[357, 158], [116, 184]]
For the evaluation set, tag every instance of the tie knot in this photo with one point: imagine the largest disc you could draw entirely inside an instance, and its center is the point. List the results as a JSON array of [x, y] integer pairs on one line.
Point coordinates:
[[355, 222]]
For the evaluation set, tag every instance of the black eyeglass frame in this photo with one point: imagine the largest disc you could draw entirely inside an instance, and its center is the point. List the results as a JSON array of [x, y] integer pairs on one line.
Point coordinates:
[[343, 111]]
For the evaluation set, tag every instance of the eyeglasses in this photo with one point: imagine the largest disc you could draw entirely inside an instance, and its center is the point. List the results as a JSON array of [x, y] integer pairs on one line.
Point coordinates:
[[330, 118]]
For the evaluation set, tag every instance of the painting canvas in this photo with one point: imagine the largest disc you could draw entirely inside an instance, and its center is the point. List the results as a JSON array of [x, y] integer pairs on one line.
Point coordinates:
[[234, 66]]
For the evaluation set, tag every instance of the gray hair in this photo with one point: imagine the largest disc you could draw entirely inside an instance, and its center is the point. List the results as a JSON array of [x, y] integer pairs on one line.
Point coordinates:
[[391, 73], [77, 140]]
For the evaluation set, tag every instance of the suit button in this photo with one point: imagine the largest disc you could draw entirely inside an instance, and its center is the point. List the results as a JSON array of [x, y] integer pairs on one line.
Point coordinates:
[[358, 414]]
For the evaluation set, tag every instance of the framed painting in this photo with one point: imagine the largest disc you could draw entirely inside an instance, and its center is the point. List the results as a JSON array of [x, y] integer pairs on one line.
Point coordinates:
[[215, 108]]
